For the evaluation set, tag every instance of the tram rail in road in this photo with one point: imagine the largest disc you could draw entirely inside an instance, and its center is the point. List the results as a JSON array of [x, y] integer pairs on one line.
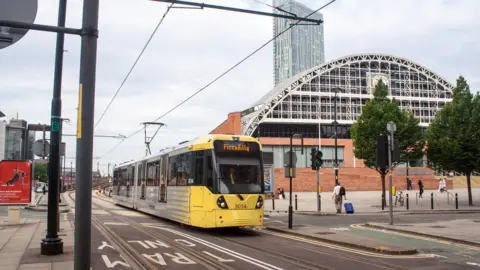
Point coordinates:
[[140, 246]]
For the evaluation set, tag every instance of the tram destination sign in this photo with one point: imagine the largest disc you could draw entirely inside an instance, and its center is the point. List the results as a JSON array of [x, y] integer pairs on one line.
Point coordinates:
[[236, 147]]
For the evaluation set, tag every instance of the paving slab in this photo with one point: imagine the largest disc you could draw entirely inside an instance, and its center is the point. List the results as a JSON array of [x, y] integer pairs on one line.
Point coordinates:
[[463, 231], [344, 238]]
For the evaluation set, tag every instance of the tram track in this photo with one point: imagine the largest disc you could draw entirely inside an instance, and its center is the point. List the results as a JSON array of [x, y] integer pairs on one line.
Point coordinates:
[[309, 245], [304, 264], [137, 259]]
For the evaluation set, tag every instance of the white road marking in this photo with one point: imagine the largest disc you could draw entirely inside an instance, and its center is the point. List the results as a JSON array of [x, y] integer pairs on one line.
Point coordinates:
[[439, 256], [232, 253], [115, 223], [474, 264]]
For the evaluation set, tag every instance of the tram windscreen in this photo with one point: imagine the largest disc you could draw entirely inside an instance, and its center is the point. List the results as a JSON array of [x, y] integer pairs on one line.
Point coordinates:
[[239, 175]]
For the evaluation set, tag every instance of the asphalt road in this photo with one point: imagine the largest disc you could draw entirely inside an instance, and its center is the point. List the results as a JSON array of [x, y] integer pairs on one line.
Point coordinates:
[[170, 245]]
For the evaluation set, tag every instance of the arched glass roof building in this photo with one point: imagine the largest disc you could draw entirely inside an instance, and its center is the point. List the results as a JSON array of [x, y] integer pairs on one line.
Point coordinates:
[[300, 103], [305, 104]]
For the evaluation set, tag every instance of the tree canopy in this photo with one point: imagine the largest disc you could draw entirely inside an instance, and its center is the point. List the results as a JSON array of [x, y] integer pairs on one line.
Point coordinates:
[[376, 113], [452, 137], [41, 172]]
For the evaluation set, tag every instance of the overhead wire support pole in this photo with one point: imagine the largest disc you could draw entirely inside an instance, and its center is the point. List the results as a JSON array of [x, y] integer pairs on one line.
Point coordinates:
[[203, 5], [85, 135], [148, 140]]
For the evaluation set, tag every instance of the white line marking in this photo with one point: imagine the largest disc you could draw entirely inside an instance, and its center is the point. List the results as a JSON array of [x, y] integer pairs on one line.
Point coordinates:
[[474, 264], [232, 253]]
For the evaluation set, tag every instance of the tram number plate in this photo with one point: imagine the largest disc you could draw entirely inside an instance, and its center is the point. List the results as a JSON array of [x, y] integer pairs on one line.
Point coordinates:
[[240, 206]]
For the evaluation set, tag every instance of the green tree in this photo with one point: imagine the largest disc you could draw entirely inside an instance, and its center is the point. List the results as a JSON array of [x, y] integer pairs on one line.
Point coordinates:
[[41, 172], [376, 113], [453, 135]]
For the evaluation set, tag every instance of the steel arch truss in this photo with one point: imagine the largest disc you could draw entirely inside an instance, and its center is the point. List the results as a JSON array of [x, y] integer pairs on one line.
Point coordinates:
[[308, 97]]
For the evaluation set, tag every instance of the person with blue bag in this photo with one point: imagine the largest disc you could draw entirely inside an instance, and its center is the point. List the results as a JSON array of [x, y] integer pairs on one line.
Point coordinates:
[[338, 192]]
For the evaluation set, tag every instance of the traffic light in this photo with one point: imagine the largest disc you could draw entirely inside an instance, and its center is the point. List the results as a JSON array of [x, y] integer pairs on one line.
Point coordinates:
[[318, 159], [313, 151]]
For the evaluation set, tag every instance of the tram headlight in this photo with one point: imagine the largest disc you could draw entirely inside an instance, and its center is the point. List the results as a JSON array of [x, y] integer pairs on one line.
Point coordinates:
[[222, 203], [259, 202]]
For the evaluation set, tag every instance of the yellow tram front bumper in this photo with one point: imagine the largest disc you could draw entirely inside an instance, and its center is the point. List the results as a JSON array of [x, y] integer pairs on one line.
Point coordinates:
[[238, 218], [227, 218]]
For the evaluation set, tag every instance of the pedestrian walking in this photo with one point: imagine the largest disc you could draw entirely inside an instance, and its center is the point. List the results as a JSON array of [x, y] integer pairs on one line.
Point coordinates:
[[420, 187], [409, 184], [338, 192]]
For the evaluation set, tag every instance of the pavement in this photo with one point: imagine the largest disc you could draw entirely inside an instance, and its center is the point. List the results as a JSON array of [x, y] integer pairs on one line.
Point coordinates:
[[462, 231], [41, 204], [369, 202], [20, 245]]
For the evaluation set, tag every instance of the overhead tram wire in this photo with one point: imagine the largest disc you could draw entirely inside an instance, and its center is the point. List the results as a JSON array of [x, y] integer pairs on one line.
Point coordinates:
[[134, 64], [219, 77]]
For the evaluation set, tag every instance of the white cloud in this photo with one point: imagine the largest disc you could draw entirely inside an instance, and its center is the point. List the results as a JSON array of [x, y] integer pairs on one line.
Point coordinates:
[[192, 47]]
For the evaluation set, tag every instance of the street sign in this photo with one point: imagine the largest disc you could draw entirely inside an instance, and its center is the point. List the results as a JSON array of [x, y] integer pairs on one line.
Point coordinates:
[[38, 148], [24, 11], [391, 127], [286, 159]]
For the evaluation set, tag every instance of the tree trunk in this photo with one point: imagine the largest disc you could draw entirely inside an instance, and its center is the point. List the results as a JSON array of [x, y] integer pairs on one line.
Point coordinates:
[[382, 174], [469, 187]]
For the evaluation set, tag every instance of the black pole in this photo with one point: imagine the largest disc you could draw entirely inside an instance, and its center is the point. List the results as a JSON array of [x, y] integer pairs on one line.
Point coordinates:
[[296, 202], [85, 122], [52, 244], [335, 128], [290, 209], [456, 201], [408, 203], [431, 200]]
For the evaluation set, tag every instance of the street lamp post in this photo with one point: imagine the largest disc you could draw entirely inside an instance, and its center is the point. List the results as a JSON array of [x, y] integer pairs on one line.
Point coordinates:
[[290, 167], [335, 90]]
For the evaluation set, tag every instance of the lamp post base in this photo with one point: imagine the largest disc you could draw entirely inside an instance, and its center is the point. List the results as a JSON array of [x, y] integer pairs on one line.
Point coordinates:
[[51, 246]]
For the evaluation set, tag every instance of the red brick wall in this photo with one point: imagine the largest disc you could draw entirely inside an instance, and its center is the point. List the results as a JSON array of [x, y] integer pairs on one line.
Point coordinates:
[[231, 125], [353, 179]]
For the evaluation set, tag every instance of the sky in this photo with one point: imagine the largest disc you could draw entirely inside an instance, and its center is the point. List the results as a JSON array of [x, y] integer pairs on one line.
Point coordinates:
[[193, 46]]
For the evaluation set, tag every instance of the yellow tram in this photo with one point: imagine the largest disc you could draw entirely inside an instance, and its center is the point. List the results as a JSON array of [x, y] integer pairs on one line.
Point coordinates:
[[212, 181]]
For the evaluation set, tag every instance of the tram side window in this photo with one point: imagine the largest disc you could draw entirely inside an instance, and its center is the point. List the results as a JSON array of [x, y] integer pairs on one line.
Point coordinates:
[[209, 171], [183, 169], [199, 167], [124, 178], [131, 176], [172, 174], [140, 175], [153, 169]]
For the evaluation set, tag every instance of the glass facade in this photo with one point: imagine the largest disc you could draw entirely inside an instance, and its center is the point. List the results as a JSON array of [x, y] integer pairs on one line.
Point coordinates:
[[300, 48], [274, 155]]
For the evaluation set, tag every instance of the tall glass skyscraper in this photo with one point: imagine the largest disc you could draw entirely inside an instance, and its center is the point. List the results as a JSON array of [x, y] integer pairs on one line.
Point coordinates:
[[300, 48]]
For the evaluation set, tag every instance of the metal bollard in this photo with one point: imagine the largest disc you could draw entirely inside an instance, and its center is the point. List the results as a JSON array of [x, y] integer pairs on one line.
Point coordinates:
[[456, 201], [431, 200], [383, 205], [320, 202], [273, 201], [416, 198], [296, 205], [408, 204]]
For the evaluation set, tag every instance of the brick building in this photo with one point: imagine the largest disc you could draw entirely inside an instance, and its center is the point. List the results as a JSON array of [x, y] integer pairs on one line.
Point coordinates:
[[305, 104]]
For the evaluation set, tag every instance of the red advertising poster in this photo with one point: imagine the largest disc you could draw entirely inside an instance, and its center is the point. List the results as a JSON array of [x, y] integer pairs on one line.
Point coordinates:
[[15, 182]]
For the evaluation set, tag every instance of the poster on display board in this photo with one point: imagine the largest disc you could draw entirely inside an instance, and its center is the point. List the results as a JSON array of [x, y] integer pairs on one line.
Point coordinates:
[[15, 182], [268, 178]]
